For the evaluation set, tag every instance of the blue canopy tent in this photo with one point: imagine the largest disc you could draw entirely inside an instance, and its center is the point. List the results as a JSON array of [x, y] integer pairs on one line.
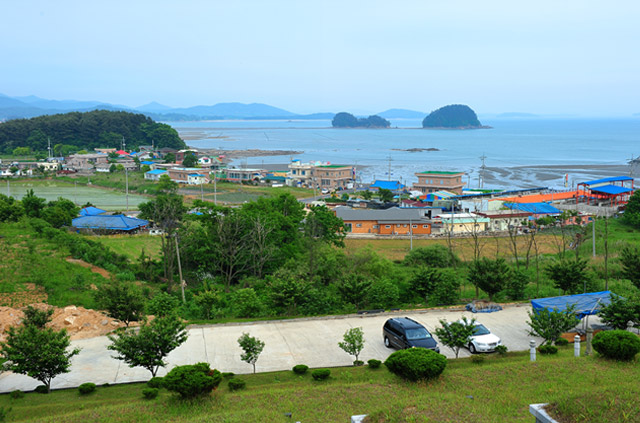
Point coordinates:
[[585, 304]]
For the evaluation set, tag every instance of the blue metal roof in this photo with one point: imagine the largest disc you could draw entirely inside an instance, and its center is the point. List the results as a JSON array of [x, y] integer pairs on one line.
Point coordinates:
[[147, 162], [390, 185], [612, 189], [91, 211], [535, 208], [610, 179], [156, 172], [116, 222], [589, 303], [196, 174]]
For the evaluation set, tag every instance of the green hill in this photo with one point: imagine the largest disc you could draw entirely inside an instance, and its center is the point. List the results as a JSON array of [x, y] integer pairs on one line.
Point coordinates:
[[454, 116], [347, 120], [86, 131]]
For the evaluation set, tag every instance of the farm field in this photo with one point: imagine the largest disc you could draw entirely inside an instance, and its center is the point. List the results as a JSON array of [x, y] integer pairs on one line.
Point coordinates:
[[498, 389]]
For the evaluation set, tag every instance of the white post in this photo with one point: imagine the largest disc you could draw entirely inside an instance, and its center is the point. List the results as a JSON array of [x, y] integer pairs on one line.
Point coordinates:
[[576, 346], [532, 350], [126, 178], [411, 235]]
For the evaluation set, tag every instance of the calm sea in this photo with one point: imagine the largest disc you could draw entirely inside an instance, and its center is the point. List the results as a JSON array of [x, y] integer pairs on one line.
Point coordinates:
[[511, 143]]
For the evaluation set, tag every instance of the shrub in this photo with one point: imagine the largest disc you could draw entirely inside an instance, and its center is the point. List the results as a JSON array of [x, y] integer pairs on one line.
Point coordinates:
[[150, 393], [548, 349], [3, 413], [86, 388], [357, 363], [501, 349], [561, 342], [228, 375], [320, 374], [41, 389], [236, 384], [383, 294], [300, 369], [416, 363], [192, 380], [617, 344], [16, 394], [155, 382], [374, 364], [477, 359]]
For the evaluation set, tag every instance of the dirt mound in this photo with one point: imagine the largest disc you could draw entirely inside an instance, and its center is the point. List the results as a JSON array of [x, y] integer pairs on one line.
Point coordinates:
[[29, 293], [79, 322]]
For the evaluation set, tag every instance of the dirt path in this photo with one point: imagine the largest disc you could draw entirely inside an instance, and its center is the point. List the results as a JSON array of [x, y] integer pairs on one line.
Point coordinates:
[[94, 269]]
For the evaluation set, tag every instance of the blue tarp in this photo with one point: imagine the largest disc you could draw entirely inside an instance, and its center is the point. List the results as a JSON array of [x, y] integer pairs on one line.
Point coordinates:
[[535, 208], [117, 222], [612, 189], [91, 211], [156, 172], [390, 185], [490, 308], [586, 304], [611, 179]]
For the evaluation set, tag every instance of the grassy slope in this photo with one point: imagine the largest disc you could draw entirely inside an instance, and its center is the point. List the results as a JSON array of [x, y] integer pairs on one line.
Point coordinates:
[[132, 245], [502, 389], [29, 259]]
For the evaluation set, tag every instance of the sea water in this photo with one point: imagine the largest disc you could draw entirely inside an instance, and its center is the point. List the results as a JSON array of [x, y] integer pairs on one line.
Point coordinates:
[[383, 152]]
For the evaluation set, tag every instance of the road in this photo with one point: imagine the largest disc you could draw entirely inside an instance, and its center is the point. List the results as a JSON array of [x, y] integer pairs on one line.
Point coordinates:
[[310, 341]]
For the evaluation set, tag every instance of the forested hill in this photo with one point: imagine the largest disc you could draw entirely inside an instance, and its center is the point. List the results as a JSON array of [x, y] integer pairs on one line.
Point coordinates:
[[454, 116], [96, 129], [347, 120]]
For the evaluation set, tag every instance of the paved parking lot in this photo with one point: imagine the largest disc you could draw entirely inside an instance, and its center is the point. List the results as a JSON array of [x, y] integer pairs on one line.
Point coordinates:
[[312, 341]]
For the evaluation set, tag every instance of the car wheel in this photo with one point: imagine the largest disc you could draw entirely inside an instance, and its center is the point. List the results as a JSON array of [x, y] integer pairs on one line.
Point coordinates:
[[472, 348], [387, 343]]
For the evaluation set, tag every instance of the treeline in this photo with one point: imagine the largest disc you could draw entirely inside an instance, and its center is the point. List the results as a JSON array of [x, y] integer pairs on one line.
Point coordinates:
[[347, 120], [75, 131]]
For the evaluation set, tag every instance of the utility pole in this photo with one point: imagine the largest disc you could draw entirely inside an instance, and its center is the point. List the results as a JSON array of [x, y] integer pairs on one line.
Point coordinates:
[[215, 190], [123, 144], [8, 188], [593, 235], [410, 235], [482, 168], [75, 192], [389, 173], [49, 146], [126, 178], [182, 282], [202, 190]]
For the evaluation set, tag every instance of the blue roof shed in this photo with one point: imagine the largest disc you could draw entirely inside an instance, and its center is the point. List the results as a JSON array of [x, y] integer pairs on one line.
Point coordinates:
[[117, 222], [535, 208]]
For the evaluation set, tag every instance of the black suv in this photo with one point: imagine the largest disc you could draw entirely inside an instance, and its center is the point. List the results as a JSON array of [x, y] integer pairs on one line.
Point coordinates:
[[403, 332]]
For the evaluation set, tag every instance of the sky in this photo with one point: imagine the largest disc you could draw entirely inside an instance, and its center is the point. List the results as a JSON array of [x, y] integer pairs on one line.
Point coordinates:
[[546, 56]]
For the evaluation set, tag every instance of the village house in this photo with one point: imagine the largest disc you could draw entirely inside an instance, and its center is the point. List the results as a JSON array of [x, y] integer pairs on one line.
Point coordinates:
[[393, 186], [181, 175], [180, 155], [85, 161], [503, 220], [392, 221], [155, 174], [461, 223], [243, 175], [320, 175], [432, 181]]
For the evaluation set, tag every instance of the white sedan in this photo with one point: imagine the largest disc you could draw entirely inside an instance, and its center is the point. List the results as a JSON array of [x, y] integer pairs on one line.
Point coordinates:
[[482, 340]]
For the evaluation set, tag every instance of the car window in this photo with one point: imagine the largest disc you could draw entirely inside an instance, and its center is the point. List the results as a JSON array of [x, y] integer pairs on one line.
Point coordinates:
[[417, 333], [480, 330]]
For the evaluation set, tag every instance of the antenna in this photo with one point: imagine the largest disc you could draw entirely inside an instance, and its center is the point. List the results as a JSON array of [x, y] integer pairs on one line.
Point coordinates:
[[123, 144], [389, 174], [49, 146]]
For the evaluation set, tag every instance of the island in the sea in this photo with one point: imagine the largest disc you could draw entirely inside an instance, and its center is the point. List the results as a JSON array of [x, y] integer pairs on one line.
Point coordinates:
[[347, 120], [454, 116]]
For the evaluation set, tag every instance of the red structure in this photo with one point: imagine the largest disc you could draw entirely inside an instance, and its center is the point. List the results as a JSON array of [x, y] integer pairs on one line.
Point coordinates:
[[615, 190]]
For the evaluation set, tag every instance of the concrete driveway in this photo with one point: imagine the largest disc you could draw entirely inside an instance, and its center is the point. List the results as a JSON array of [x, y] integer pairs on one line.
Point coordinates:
[[311, 341]]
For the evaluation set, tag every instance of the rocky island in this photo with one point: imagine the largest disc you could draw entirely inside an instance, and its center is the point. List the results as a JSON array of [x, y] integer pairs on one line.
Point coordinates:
[[454, 116], [347, 120]]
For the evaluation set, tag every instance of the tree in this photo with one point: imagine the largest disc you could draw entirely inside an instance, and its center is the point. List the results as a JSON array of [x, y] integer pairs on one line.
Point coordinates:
[[163, 304], [632, 210], [568, 275], [123, 301], [169, 158], [353, 343], [21, 151], [149, 346], [32, 204], [366, 195], [35, 351], [630, 260], [36, 317], [386, 196], [456, 335], [550, 324], [620, 311], [252, 348], [166, 185], [353, 289], [431, 256], [189, 160], [112, 168], [489, 275]]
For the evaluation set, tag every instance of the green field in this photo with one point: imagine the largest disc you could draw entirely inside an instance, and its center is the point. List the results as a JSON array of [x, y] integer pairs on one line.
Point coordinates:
[[51, 189], [498, 390], [132, 245]]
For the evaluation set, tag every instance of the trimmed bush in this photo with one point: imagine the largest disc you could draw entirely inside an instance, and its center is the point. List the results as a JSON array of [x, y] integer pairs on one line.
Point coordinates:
[[300, 369], [320, 374], [501, 349], [192, 380], [374, 364], [236, 384], [86, 388], [155, 382], [357, 363], [16, 394], [150, 393], [547, 349], [561, 342], [617, 344], [228, 375], [41, 389], [477, 359], [416, 364]]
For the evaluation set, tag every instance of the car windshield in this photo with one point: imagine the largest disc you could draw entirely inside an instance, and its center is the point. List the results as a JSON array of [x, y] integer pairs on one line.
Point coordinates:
[[480, 330], [418, 333]]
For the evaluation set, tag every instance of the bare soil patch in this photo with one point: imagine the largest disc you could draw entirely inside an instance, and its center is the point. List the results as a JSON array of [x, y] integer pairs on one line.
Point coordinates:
[[89, 266]]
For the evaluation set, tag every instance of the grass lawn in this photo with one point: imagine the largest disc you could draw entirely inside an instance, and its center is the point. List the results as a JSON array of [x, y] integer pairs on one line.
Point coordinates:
[[498, 390], [132, 245]]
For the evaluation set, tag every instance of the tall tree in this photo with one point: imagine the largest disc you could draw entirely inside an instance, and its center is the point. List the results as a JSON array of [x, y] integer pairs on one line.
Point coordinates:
[[568, 275], [630, 260], [489, 275], [123, 301]]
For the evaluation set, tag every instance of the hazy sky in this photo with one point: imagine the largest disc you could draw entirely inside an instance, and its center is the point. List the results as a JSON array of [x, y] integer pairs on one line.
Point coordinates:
[[543, 56]]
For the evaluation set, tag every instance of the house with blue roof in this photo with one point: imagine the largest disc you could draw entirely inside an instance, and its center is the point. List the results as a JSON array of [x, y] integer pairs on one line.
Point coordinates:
[[393, 186], [91, 211], [155, 174], [611, 191], [109, 223]]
